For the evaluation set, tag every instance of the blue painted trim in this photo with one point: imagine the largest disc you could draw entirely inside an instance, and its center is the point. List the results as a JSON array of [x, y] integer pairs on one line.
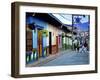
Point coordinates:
[[39, 27]]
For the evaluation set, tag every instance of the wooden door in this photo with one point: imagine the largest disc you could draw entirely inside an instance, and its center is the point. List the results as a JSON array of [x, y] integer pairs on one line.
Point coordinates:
[[39, 43], [28, 40]]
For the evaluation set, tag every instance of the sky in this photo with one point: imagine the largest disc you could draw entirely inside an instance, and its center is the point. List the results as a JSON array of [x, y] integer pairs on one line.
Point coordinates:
[[67, 19]]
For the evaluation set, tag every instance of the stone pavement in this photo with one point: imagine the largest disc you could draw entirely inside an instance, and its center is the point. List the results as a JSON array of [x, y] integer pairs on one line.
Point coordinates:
[[64, 58]]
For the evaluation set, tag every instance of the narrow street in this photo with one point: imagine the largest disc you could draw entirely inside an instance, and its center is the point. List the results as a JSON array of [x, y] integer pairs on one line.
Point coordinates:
[[71, 58], [64, 58]]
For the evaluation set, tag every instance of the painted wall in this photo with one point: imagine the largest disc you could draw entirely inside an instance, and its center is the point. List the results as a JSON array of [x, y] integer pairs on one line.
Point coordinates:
[[35, 39], [54, 31], [51, 28], [40, 23]]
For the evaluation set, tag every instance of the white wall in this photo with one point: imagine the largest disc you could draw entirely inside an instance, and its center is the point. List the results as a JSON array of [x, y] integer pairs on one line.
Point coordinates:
[[5, 40], [54, 31]]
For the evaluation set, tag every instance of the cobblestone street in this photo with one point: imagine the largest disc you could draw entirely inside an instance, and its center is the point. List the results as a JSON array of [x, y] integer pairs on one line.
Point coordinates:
[[71, 58], [65, 58]]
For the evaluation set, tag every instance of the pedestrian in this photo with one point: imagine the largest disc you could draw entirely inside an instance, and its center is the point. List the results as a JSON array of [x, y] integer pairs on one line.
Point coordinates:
[[75, 45], [83, 48], [78, 46]]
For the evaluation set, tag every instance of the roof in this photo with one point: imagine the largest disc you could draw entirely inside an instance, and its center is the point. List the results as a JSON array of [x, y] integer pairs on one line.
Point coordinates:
[[47, 18], [64, 21]]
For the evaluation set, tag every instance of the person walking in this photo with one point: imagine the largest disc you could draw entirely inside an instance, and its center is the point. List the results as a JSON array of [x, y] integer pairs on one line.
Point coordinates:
[[78, 46], [75, 44], [83, 48]]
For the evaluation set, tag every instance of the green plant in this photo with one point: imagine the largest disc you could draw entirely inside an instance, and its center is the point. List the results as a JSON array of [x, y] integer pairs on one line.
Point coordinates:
[[45, 51], [35, 54], [45, 33], [34, 50]]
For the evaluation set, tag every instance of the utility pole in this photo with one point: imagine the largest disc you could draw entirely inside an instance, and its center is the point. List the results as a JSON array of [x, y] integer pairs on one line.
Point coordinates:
[[72, 31]]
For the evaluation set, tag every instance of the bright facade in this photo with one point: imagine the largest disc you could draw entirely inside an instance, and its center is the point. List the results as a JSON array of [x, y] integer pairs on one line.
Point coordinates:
[[44, 38]]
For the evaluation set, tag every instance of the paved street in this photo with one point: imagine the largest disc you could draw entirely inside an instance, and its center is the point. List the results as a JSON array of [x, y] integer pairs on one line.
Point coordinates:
[[71, 58], [63, 58]]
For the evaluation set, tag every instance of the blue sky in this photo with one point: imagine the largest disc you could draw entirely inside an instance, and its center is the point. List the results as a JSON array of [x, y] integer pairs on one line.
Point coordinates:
[[67, 19]]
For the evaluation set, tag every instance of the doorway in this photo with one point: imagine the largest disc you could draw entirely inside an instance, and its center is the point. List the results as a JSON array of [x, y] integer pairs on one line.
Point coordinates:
[[50, 42], [40, 46]]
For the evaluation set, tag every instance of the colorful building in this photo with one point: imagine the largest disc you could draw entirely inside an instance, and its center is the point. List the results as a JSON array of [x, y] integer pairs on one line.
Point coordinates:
[[46, 35]]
